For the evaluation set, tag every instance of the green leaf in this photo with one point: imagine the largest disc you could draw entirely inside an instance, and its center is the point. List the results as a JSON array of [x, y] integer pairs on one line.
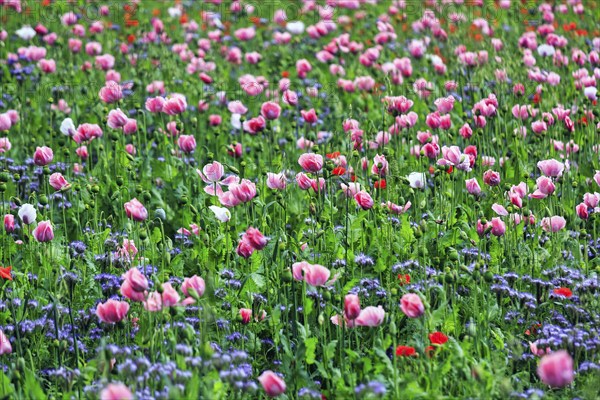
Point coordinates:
[[381, 266], [311, 346], [308, 306], [330, 349], [258, 279], [322, 370], [437, 316], [156, 236], [6, 388], [406, 232], [33, 388], [386, 360]]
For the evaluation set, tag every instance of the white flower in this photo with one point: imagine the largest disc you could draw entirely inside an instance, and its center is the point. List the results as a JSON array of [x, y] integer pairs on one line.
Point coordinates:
[[67, 127], [27, 214], [26, 33], [417, 180], [590, 92], [218, 22], [174, 12], [221, 213], [235, 121], [545, 50], [295, 27], [435, 60]]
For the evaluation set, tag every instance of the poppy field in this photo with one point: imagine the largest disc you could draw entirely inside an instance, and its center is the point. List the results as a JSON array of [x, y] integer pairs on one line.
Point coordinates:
[[299, 199]]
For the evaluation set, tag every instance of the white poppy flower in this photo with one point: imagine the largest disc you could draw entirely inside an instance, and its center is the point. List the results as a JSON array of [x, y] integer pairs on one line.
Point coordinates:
[[417, 180], [221, 213]]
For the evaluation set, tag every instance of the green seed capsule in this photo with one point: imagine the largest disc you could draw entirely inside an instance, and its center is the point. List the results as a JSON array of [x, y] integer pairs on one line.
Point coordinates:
[[287, 276], [488, 276], [453, 254]]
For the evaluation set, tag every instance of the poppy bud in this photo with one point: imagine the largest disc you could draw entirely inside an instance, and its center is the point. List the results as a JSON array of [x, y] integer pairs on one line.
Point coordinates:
[[321, 319], [452, 254], [233, 169]]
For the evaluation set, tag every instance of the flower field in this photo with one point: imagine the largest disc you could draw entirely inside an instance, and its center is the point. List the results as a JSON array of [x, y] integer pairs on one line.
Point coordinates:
[[316, 199]]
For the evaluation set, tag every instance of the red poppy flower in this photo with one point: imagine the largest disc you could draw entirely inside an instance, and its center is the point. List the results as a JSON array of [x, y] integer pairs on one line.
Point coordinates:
[[563, 291], [5, 273], [404, 279], [353, 178], [438, 338], [381, 184], [339, 171], [333, 155], [131, 38], [450, 169], [285, 74], [405, 351]]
